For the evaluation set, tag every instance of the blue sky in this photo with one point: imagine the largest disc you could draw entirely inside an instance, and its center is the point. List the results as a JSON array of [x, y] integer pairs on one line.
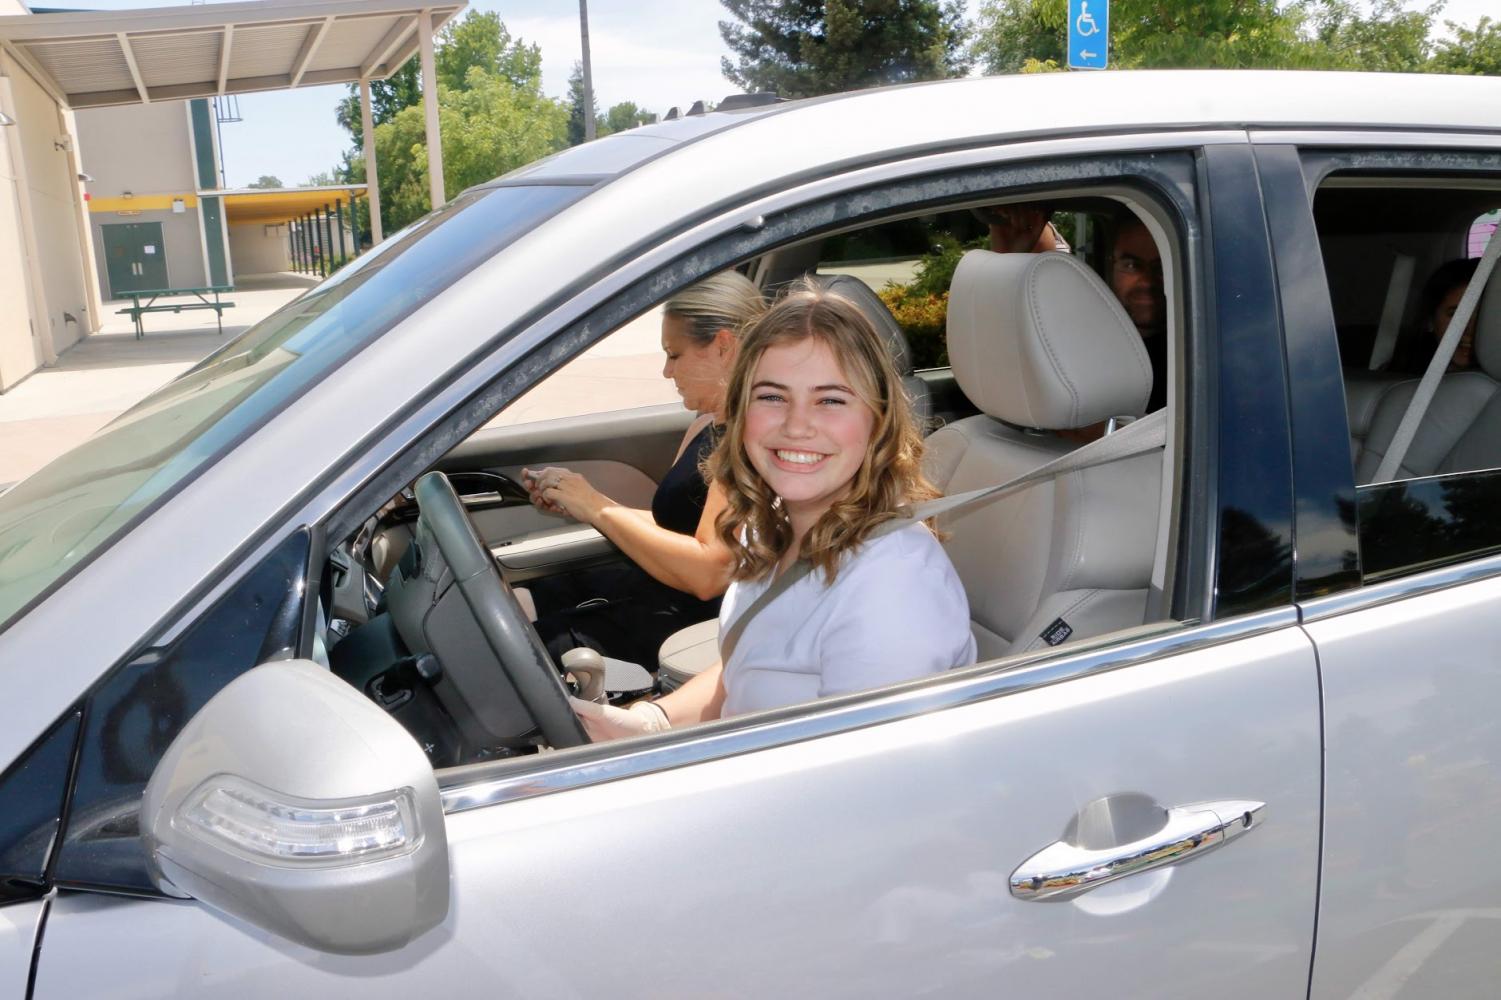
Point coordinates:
[[657, 53]]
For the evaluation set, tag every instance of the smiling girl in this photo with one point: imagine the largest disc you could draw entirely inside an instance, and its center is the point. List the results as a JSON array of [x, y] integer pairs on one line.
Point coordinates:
[[820, 449]]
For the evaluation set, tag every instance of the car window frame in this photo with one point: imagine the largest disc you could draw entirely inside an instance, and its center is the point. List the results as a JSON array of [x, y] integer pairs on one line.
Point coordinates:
[[555, 345], [1328, 495]]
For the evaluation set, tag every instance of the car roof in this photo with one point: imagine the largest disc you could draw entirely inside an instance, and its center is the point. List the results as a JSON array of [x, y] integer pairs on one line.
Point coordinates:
[[999, 108]]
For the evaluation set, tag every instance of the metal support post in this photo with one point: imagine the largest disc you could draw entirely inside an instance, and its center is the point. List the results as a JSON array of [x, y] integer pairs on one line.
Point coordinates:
[[430, 106], [317, 242], [296, 251], [372, 181], [339, 220], [328, 236]]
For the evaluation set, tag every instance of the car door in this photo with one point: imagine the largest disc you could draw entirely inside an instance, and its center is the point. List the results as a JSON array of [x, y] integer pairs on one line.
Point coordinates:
[[868, 846], [1401, 590]]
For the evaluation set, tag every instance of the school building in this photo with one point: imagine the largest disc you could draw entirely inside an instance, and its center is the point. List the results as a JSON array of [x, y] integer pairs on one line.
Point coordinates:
[[111, 175]]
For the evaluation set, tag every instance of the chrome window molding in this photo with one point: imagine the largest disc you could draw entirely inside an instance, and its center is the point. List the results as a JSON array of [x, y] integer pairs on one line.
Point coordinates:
[[1445, 139], [476, 786], [482, 381], [1417, 584]]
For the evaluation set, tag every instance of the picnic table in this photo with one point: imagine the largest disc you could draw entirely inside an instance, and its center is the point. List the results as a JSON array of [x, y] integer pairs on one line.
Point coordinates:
[[150, 295]]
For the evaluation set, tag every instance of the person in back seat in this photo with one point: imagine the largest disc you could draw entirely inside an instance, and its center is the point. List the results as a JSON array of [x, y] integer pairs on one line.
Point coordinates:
[[1021, 228], [1136, 278], [1441, 294]]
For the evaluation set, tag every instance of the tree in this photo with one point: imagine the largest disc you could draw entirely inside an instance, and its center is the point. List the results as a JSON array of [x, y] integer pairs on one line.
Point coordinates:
[[627, 115], [325, 178], [803, 48], [267, 181], [481, 39], [1379, 35], [402, 90], [489, 127], [1014, 36], [491, 112], [576, 108], [1390, 38], [1472, 50]]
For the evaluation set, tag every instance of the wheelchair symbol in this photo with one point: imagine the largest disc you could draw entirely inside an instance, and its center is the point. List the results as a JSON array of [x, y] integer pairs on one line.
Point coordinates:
[[1085, 24]]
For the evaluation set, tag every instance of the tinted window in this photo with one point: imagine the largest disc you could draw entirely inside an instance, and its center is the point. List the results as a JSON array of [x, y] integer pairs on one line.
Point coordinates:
[[136, 712], [31, 807], [54, 521]]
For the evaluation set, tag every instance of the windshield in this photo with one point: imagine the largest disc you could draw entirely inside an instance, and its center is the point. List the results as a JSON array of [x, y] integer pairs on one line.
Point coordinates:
[[53, 522]]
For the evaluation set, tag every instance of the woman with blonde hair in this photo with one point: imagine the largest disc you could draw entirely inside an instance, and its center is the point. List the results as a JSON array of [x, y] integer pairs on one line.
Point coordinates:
[[820, 451], [680, 567]]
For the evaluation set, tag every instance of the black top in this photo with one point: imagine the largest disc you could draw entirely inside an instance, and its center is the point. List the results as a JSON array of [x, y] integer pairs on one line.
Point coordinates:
[[1156, 346], [679, 501]]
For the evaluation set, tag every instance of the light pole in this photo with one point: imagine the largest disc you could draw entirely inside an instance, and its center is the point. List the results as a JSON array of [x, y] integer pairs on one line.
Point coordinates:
[[588, 82]]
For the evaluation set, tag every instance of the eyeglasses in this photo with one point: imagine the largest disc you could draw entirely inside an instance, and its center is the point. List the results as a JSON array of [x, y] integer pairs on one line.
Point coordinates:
[[1129, 264]]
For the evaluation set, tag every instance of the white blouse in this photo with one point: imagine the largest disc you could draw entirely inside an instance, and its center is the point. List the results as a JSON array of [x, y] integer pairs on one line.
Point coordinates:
[[896, 610]]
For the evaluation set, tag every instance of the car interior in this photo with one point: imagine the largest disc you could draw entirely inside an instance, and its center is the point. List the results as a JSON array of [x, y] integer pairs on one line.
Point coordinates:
[[1381, 240], [1031, 355]]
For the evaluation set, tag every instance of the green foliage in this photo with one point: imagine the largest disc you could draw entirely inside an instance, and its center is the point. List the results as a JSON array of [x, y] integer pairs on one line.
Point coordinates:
[[921, 305], [1013, 35], [267, 181], [803, 48], [324, 178], [489, 127], [1390, 38], [491, 112], [1472, 50], [626, 115], [1025, 36], [481, 39], [576, 108]]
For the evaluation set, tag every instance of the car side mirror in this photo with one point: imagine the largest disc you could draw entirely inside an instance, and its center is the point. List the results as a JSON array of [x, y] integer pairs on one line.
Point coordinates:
[[295, 804]]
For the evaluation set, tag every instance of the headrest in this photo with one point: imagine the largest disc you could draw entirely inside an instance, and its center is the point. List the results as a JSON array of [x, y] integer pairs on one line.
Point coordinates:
[[850, 287], [1038, 340], [1488, 326]]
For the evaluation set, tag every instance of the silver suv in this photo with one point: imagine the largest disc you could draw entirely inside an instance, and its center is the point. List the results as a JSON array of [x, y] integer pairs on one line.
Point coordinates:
[[1267, 643]]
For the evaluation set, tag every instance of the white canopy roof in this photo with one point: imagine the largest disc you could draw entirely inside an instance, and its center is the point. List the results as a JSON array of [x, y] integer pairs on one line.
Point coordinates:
[[91, 59]]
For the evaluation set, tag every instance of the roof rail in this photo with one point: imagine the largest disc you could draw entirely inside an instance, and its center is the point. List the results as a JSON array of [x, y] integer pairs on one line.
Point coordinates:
[[761, 98]]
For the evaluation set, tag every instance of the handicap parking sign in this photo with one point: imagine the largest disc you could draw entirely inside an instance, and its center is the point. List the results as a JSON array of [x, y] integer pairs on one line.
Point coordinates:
[[1088, 34]]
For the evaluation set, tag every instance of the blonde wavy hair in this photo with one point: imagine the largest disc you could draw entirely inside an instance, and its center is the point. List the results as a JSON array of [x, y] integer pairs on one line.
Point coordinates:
[[753, 524]]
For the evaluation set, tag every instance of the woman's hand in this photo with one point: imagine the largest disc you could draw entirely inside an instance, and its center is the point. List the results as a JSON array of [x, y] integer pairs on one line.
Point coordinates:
[[561, 491], [606, 722]]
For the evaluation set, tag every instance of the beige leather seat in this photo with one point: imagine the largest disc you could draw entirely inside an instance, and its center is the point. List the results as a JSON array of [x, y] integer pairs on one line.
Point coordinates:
[[1461, 429], [1040, 345]]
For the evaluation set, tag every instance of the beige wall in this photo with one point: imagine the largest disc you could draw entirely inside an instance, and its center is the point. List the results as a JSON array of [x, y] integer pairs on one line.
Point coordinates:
[[54, 207], [147, 151], [43, 277], [140, 148], [258, 249]]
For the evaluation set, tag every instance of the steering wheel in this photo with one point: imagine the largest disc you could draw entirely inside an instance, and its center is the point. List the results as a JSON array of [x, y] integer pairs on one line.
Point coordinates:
[[499, 616]]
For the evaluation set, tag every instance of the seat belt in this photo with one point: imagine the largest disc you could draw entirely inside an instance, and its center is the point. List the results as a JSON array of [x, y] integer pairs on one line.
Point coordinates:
[[1136, 438], [1391, 312], [1418, 406]]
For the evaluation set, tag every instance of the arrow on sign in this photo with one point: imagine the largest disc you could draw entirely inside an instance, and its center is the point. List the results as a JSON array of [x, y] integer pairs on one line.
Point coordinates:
[[1086, 54]]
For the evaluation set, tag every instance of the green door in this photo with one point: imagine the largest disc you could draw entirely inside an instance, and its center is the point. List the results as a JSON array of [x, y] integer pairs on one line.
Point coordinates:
[[134, 256]]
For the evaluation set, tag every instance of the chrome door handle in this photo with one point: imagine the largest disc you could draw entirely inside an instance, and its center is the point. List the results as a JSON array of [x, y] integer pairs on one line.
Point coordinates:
[[1068, 868]]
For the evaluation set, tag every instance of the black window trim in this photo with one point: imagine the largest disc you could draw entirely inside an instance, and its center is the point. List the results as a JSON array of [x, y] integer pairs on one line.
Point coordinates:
[[1317, 349]]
